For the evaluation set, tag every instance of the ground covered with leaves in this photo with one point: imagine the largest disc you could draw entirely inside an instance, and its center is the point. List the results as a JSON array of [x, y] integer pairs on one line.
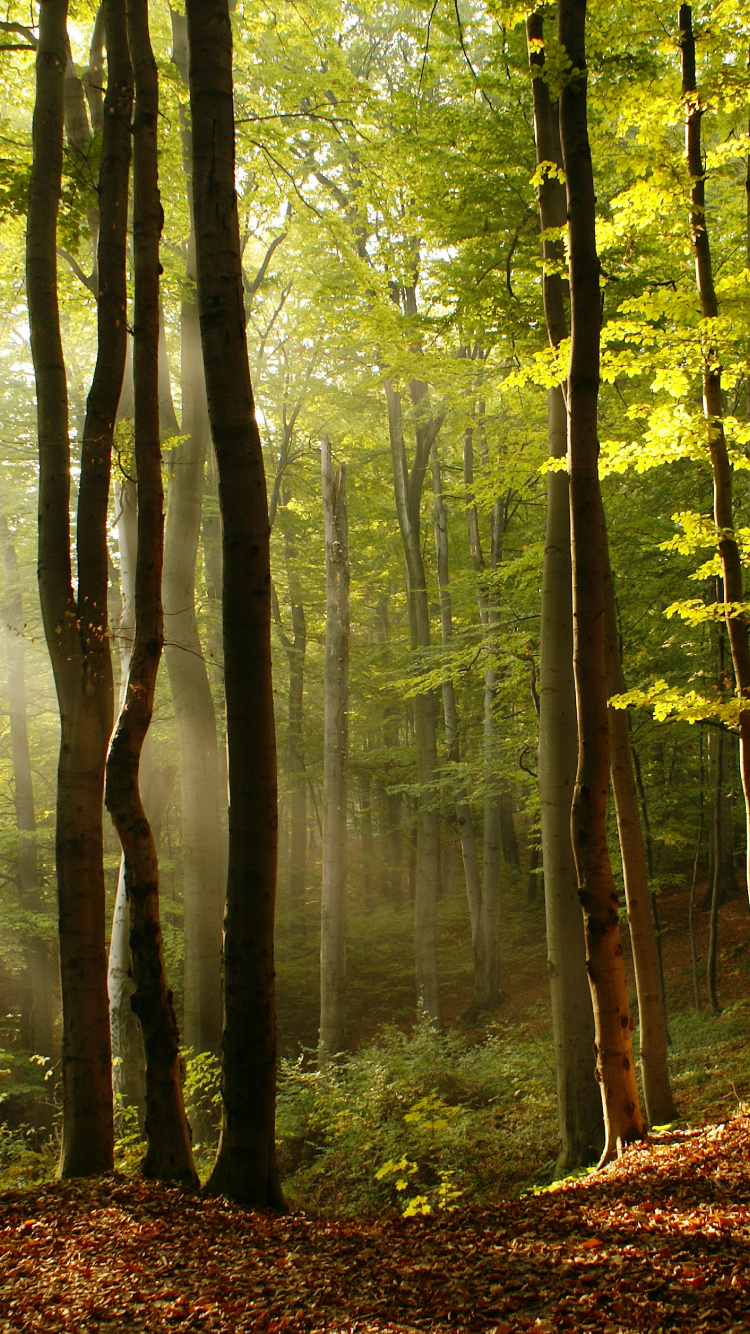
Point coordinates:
[[657, 1241]]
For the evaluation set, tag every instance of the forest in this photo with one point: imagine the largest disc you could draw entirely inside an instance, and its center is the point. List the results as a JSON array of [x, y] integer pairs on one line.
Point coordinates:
[[374, 665]]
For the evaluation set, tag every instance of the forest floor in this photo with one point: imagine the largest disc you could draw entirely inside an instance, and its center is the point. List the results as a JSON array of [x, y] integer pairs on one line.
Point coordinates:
[[658, 1241]]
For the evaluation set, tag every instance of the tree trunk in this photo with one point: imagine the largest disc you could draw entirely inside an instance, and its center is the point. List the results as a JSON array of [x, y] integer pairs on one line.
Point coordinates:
[[128, 1058], [713, 407], [335, 762], [38, 1013], [295, 649], [654, 1038], [713, 928], [464, 821], [76, 627], [596, 886], [367, 840], [408, 491], [168, 1155], [485, 938], [245, 1167], [203, 840]]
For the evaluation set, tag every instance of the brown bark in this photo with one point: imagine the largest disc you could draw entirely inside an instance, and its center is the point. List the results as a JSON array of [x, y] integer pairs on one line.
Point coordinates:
[[76, 625], [245, 1167], [736, 620], [168, 1154], [596, 886], [654, 1038], [335, 762]]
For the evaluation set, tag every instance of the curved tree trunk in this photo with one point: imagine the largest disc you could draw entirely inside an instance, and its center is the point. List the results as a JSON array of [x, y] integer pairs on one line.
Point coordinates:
[[596, 886], [75, 626], [245, 1167], [335, 762], [168, 1155]]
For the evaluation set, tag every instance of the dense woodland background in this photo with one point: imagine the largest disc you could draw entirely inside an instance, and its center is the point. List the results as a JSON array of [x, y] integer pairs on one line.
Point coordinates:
[[388, 204]]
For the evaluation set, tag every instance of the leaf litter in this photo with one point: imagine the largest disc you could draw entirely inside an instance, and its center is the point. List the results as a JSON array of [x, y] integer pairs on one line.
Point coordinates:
[[658, 1241]]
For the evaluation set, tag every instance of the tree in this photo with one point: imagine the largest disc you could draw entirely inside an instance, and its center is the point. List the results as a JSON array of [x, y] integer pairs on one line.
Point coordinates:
[[168, 1154], [335, 761], [596, 887], [713, 407], [578, 1103], [245, 1167], [75, 622]]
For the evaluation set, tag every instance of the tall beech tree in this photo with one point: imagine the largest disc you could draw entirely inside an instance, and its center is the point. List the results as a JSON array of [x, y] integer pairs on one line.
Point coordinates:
[[201, 777], [75, 620], [653, 1027], [245, 1167], [596, 886], [579, 1109], [168, 1154], [408, 483], [713, 407], [335, 760]]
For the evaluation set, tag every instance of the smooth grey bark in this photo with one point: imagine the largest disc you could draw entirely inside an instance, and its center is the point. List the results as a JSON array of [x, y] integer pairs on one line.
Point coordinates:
[[332, 1039], [295, 648], [128, 1056], [408, 491], [486, 937], [579, 1105], [168, 1154], [37, 1020], [464, 820]]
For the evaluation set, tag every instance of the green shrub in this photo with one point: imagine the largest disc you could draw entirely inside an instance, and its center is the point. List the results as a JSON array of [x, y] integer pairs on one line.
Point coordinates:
[[338, 1126]]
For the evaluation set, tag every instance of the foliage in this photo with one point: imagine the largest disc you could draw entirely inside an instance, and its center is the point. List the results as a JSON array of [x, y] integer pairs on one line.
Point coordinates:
[[657, 1240]]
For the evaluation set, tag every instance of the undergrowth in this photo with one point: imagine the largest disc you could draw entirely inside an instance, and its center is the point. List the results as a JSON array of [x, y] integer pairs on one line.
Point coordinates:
[[411, 1122]]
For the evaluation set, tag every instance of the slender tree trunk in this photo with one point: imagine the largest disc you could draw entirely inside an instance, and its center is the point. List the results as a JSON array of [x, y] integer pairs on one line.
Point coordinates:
[[654, 1038], [596, 886], [245, 1167], [128, 1057], [464, 821], [486, 929], [693, 884], [408, 491], [295, 649], [38, 1015], [367, 839], [713, 928], [203, 839], [168, 1155], [335, 762], [736, 619], [76, 627]]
